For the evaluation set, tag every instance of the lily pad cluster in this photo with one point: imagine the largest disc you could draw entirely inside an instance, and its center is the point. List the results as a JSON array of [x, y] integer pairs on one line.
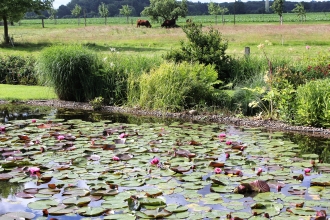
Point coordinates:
[[147, 171]]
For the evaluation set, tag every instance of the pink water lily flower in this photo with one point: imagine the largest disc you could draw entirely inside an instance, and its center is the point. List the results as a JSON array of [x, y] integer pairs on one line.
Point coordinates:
[[123, 135], [115, 158], [217, 170], [222, 135], [307, 170], [154, 161], [227, 155], [34, 170], [34, 120], [60, 137], [2, 128]]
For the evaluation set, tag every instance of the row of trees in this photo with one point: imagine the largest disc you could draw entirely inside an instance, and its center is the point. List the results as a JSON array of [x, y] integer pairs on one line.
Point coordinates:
[[194, 8]]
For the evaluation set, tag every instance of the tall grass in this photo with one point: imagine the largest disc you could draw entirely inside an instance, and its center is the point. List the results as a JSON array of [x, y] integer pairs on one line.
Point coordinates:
[[174, 87], [70, 70]]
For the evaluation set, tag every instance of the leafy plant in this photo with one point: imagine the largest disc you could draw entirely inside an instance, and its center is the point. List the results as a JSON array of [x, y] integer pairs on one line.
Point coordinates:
[[97, 103], [16, 69], [313, 103], [205, 48], [174, 87]]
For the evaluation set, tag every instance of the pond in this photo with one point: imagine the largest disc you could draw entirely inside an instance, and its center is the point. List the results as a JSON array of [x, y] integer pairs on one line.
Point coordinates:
[[74, 164]]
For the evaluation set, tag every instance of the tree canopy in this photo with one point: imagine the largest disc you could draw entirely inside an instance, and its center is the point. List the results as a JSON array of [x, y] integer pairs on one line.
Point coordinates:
[[14, 10], [166, 9], [278, 7]]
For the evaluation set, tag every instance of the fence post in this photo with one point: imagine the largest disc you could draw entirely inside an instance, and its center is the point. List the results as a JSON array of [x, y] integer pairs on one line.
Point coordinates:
[[247, 51]]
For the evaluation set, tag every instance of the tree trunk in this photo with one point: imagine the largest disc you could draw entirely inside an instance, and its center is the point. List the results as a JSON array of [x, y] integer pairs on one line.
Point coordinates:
[[43, 23], [281, 19], [5, 27]]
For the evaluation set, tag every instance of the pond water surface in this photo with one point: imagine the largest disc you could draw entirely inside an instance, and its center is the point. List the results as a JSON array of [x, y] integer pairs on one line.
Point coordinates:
[[74, 164]]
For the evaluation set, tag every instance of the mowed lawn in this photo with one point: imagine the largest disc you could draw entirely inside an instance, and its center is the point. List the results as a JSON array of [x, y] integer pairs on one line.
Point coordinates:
[[20, 92]]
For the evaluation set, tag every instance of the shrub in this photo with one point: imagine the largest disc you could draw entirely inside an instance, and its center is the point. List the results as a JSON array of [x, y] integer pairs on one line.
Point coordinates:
[[17, 70], [118, 78], [174, 87], [206, 48], [313, 103], [71, 70]]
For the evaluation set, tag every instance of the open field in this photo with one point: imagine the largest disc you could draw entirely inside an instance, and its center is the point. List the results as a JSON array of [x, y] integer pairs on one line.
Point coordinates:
[[288, 40]]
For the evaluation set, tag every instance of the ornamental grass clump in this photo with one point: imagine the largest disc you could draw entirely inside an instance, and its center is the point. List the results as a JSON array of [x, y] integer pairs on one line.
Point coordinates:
[[175, 87], [70, 70]]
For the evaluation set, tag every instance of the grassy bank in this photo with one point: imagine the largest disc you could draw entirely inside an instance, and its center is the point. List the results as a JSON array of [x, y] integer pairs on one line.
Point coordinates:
[[20, 92]]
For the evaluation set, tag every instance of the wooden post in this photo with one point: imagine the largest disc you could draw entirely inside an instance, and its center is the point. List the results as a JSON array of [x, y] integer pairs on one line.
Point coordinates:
[[247, 51]]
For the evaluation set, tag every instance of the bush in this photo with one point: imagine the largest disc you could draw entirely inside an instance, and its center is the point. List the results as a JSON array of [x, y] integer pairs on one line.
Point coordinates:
[[205, 48], [313, 103], [70, 70], [17, 70], [118, 78], [174, 87]]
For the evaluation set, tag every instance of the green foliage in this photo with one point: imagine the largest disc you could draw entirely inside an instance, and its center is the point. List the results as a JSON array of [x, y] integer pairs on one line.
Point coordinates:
[[14, 10], [174, 87], [216, 9], [313, 103], [166, 9], [126, 10], [97, 103], [205, 48], [17, 70], [76, 11], [300, 11], [70, 70], [118, 78], [278, 7], [104, 12]]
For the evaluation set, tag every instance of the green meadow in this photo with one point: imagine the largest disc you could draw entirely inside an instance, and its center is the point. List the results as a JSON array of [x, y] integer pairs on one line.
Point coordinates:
[[289, 39]]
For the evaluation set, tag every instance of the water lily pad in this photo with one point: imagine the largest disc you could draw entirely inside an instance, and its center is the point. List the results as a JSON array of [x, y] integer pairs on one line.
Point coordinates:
[[17, 215], [42, 204]]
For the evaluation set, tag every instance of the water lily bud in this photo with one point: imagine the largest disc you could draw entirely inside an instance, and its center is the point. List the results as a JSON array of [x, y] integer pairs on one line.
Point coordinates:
[[115, 158], [227, 155], [34, 120], [217, 170], [259, 171], [60, 137], [279, 187], [2, 128], [228, 142], [154, 161]]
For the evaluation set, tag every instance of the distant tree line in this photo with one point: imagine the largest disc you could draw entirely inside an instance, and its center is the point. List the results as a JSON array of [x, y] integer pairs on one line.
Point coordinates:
[[91, 8]]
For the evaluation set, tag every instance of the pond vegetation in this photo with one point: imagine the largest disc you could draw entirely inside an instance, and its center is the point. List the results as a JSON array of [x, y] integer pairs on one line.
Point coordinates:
[[60, 162]]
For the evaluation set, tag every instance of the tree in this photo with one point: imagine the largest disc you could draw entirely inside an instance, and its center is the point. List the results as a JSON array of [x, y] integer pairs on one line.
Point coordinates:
[[14, 10], [104, 12], [126, 11], [216, 9], [76, 12], [166, 9], [278, 7], [52, 13], [300, 10]]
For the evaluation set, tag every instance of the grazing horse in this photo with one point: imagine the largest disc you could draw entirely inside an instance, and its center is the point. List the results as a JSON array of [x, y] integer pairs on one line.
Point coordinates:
[[140, 22], [169, 23]]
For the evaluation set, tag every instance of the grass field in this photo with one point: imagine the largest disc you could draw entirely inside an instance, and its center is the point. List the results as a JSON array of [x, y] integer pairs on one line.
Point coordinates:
[[19, 92], [289, 39]]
